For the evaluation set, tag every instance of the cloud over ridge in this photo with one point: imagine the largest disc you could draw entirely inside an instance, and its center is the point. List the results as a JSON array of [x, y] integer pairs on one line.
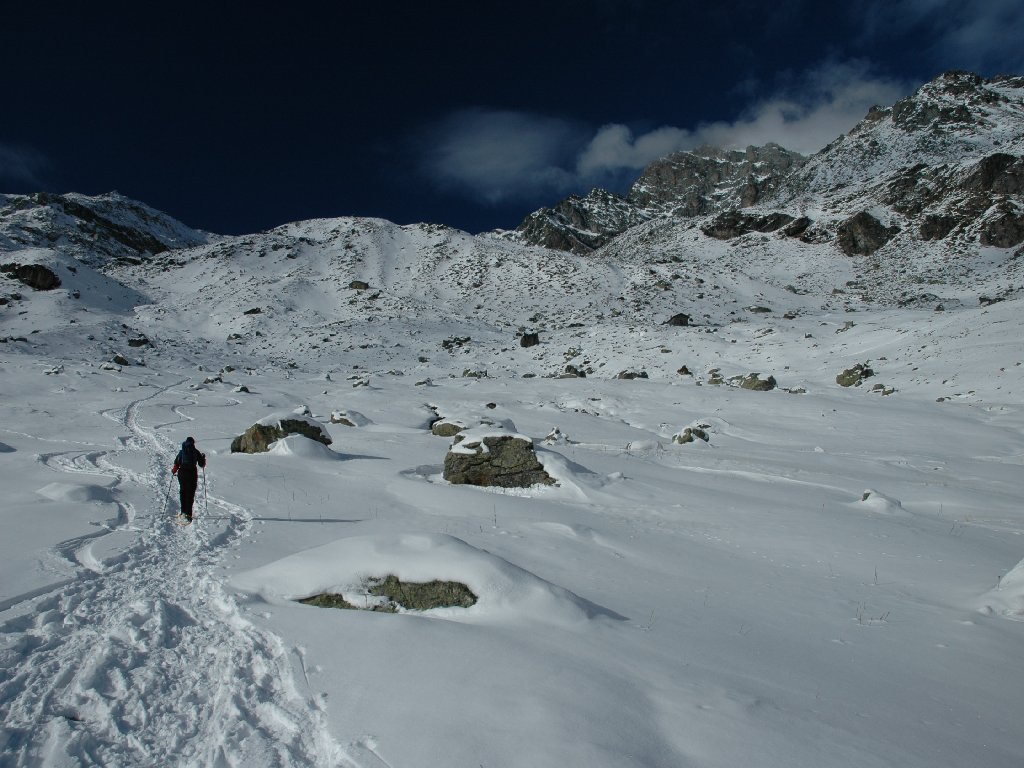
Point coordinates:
[[501, 155]]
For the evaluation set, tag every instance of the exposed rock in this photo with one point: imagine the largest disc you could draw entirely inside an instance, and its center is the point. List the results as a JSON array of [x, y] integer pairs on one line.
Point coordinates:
[[936, 226], [139, 341], [708, 179], [35, 276], [580, 224], [120, 360], [505, 461], [452, 342], [359, 285], [797, 227], [1005, 229], [556, 437], [732, 224], [691, 433], [863, 234], [681, 320], [684, 371], [529, 340], [447, 427], [253, 311], [258, 437], [572, 372], [998, 173], [754, 382], [854, 377], [632, 375]]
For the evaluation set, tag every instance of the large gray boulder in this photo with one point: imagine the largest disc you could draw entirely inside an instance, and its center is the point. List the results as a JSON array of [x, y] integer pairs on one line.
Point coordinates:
[[258, 437], [495, 459], [863, 234]]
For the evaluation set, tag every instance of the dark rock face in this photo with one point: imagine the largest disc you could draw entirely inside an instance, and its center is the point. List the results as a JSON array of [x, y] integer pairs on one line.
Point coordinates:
[[33, 275], [632, 375], [734, 223], [258, 437], [862, 235], [680, 320], [1004, 230], [359, 285], [998, 173], [529, 340], [710, 179], [581, 224], [684, 184], [797, 227], [507, 462], [936, 227]]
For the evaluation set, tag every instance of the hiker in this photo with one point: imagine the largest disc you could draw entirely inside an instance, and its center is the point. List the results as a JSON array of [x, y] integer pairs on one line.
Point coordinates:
[[186, 467]]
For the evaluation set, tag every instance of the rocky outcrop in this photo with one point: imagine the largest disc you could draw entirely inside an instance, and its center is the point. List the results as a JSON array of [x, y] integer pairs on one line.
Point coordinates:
[[529, 340], [1005, 229], [680, 320], [35, 276], [580, 224], [854, 377], [501, 460], [709, 179], [258, 437], [690, 434], [863, 234], [684, 184], [753, 381], [732, 224]]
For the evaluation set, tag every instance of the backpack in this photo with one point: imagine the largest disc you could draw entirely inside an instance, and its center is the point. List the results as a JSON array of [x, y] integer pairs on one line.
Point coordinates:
[[190, 457]]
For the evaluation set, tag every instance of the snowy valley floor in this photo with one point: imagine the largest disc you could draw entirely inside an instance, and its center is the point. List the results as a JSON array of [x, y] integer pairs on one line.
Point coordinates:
[[832, 580]]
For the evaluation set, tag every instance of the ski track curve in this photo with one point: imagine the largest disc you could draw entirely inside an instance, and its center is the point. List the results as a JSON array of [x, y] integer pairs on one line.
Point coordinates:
[[149, 661]]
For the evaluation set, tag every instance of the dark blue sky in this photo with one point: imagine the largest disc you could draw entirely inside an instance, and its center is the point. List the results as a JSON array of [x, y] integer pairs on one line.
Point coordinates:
[[469, 114]]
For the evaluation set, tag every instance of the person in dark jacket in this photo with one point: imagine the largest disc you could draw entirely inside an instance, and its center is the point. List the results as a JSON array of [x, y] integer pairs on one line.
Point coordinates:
[[186, 467]]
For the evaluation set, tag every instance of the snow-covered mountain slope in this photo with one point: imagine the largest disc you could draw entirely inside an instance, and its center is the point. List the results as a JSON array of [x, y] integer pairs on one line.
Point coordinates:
[[832, 577], [94, 230]]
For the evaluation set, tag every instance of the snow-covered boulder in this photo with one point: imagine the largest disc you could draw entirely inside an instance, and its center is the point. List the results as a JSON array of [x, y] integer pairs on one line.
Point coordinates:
[[490, 456], [258, 437]]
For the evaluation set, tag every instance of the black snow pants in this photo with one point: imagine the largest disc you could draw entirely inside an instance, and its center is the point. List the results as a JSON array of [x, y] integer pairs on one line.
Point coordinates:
[[188, 479]]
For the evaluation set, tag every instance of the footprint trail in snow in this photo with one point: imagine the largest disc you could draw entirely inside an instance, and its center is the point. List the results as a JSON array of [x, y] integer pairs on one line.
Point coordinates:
[[149, 661]]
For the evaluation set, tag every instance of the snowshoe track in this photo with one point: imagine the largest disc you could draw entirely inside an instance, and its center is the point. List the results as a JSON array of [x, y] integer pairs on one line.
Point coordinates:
[[149, 661]]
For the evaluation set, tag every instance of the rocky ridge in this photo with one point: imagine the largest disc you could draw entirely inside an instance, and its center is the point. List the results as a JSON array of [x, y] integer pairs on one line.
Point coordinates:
[[943, 164]]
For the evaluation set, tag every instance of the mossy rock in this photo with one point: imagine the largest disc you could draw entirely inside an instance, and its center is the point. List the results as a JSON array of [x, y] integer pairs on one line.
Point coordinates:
[[446, 428], [407, 595], [496, 460], [754, 382], [422, 596], [854, 377]]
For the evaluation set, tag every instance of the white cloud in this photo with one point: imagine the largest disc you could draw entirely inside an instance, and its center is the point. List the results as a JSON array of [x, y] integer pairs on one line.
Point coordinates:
[[804, 117], [22, 166], [500, 155]]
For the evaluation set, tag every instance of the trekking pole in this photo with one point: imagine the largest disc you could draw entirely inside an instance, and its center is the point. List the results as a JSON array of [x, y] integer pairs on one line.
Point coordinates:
[[167, 496], [206, 497]]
